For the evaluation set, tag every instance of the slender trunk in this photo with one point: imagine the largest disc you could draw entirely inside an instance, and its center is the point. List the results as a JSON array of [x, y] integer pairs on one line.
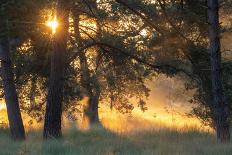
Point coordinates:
[[90, 110], [11, 98], [52, 125], [96, 86], [221, 107], [90, 113]]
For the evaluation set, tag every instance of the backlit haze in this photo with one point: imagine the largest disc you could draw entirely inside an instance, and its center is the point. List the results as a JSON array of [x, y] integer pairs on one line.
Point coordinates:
[[166, 108], [168, 104]]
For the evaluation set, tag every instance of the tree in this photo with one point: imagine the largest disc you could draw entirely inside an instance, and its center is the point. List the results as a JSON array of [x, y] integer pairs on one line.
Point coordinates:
[[104, 62], [90, 110], [169, 37], [52, 125], [101, 76], [186, 48], [10, 93], [90, 113], [221, 107]]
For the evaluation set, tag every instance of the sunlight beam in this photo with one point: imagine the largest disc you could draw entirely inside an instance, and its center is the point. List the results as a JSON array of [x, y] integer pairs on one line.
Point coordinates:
[[53, 24]]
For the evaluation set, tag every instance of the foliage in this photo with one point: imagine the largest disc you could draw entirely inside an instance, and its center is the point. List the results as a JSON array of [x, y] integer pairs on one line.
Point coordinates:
[[126, 50], [31, 46]]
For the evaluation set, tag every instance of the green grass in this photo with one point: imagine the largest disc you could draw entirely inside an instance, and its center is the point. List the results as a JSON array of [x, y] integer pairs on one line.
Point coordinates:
[[102, 142]]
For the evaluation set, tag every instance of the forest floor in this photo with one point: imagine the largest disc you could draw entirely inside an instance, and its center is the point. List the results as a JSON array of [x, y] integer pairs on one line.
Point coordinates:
[[103, 142]]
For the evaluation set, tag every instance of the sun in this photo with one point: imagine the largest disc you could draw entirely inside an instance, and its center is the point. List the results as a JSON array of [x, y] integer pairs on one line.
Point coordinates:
[[53, 24]]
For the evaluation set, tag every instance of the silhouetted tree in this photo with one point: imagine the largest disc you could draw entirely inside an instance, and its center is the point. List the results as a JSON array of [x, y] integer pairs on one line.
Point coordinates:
[[221, 107], [52, 125], [11, 98]]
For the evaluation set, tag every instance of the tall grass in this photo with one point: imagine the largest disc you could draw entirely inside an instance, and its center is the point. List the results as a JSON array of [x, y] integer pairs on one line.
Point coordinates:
[[99, 141]]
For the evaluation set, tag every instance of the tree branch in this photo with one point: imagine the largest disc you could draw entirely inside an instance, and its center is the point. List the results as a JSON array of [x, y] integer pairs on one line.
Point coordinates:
[[145, 19]]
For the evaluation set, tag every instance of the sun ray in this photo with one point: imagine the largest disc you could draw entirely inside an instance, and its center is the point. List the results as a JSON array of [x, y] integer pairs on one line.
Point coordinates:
[[53, 24]]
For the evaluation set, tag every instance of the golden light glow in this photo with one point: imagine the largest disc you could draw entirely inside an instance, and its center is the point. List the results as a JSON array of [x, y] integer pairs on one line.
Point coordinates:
[[155, 118], [25, 46], [2, 106], [53, 24]]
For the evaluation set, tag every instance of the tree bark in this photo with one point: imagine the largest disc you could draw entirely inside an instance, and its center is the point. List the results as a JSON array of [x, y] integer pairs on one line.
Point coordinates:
[[11, 97], [221, 107], [52, 125]]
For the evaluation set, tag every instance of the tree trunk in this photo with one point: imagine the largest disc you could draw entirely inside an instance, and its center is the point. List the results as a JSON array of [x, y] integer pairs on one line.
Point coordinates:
[[90, 113], [90, 109], [11, 98], [52, 125], [221, 107]]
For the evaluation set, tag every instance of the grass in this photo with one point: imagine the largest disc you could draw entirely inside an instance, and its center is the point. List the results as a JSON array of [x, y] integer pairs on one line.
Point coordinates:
[[103, 142]]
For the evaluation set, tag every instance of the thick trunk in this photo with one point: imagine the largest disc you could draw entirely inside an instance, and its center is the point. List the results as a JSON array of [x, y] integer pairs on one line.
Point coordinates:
[[11, 98], [221, 107], [52, 125]]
